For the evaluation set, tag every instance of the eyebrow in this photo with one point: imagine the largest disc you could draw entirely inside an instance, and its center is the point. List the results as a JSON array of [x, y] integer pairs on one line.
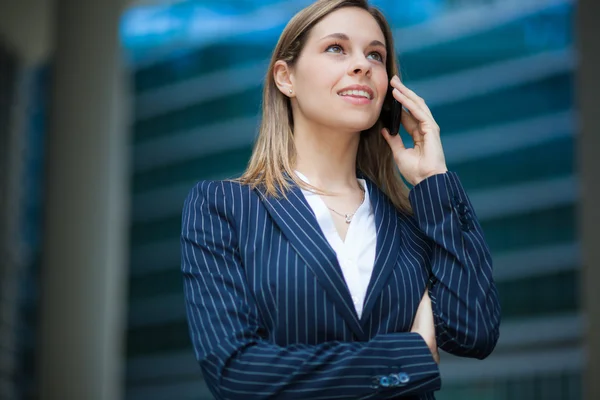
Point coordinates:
[[343, 36]]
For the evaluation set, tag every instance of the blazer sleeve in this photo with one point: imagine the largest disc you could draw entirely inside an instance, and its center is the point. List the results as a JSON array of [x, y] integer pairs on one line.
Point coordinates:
[[463, 293], [231, 344]]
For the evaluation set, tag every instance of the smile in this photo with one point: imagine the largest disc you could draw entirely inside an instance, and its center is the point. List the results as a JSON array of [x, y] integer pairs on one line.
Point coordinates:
[[356, 93]]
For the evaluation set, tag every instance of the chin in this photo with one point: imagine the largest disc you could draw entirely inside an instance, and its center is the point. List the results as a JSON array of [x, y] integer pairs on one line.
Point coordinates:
[[348, 121], [358, 125]]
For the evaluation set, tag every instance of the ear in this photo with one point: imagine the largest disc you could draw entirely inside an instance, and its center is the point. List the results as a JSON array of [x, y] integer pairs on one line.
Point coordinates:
[[282, 75]]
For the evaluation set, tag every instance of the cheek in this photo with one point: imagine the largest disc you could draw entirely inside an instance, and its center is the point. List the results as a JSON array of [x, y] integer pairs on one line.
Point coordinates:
[[382, 85], [318, 74], [319, 80], [316, 88]]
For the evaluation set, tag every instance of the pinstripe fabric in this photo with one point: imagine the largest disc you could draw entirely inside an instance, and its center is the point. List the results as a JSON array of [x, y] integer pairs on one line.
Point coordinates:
[[270, 315]]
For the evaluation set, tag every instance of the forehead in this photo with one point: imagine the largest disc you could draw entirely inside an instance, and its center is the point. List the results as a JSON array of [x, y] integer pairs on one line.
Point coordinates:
[[352, 21]]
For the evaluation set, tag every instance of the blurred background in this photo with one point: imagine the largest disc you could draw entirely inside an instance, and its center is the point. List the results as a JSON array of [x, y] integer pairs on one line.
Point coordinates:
[[111, 110]]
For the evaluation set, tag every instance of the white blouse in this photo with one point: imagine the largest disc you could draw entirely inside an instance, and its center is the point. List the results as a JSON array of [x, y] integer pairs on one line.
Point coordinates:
[[356, 254]]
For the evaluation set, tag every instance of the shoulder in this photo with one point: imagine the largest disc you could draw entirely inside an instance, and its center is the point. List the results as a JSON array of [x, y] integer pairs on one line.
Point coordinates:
[[214, 187], [218, 195]]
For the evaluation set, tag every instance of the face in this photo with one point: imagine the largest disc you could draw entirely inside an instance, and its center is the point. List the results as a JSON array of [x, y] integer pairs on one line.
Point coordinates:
[[340, 80]]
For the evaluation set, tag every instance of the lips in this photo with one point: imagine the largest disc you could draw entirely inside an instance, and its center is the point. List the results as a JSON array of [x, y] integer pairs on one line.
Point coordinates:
[[357, 91]]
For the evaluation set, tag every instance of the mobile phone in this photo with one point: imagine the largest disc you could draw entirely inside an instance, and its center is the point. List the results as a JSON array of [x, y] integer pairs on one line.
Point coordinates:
[[391, 113]]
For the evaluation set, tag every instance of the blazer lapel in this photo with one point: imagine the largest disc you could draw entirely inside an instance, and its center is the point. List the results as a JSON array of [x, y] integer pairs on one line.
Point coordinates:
[[298, 223], [387, 248]]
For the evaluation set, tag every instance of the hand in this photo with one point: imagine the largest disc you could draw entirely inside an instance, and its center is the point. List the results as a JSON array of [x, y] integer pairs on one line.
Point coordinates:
[[424, 325], [426, 158]]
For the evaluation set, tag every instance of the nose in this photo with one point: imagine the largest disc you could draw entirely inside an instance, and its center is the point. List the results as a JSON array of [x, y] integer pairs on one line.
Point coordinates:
[[360, 66]]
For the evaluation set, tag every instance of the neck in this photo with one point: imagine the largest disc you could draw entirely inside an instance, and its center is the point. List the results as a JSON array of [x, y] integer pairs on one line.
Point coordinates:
[[327, 157]]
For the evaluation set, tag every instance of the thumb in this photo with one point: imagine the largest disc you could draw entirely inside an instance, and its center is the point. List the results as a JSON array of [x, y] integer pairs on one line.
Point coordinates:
[[394, 141]]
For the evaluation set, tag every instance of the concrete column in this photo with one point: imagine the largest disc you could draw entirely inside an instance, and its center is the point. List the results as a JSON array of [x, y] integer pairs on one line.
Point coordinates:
[[84, 273], [11, 163], [588, 86]]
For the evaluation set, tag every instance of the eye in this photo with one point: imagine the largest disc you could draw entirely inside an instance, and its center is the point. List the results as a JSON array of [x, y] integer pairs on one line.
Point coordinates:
[[335, 48], [376, 56]]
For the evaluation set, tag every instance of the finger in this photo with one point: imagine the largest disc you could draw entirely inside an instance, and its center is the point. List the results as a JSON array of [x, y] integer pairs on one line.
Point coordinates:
[[409, 122], [411, 125], [394, 141], [413, 96], [414, 108], [397, 83]]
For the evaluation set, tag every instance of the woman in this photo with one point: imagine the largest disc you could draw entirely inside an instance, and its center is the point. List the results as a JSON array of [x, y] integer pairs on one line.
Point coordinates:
[[317, 274]]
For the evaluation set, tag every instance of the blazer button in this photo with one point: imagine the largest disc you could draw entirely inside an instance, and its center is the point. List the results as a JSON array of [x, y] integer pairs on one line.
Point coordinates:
[[456, 201], [403, 377], [462, 208], [384, 381]]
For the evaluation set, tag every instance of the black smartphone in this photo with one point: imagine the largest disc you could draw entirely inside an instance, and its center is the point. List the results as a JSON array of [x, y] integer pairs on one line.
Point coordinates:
[[391, 113]]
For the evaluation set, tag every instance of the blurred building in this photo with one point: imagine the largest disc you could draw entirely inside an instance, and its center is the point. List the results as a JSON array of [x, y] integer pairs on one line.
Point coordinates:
[[500, 78]]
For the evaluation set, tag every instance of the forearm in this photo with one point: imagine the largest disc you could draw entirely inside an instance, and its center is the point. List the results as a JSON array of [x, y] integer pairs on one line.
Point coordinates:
[[350, 370], [462, 290]]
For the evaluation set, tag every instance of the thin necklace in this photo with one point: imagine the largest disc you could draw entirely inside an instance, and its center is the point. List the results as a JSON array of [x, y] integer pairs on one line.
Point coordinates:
[[349, 216]]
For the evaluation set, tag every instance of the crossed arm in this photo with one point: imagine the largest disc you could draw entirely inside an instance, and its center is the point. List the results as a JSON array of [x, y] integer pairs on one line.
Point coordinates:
[[231, 345], [463, 295]]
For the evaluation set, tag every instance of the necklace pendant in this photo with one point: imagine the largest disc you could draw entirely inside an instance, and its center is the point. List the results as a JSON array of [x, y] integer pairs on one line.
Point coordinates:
[[348, 218]]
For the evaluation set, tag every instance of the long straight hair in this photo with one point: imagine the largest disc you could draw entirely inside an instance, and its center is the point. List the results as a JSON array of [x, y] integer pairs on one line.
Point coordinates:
[[271, 165]]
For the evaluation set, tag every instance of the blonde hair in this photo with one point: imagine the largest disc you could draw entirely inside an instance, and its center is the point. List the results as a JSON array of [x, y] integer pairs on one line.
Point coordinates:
[[271, 165]]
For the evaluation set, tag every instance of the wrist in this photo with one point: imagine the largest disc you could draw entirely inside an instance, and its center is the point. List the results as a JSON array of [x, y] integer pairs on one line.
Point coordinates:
[[429, 175], [432, 346]]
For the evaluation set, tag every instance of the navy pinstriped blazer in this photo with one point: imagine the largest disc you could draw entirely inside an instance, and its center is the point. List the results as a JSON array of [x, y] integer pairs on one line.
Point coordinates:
[[270, 315]]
